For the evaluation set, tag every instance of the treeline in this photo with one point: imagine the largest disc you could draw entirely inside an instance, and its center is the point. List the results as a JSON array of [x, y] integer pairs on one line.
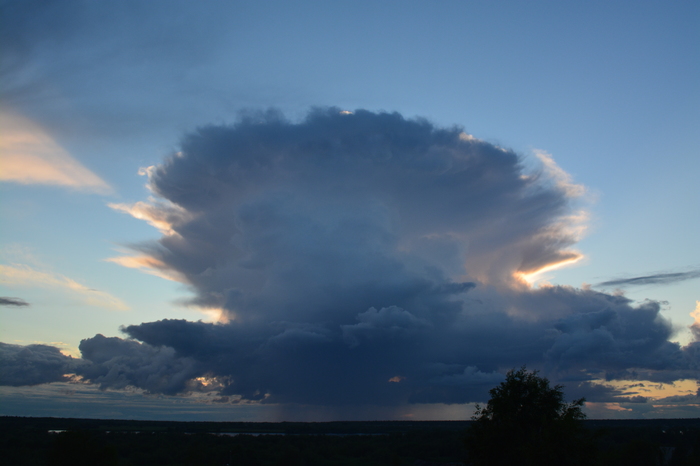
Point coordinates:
[[29, 441], [336, 427]]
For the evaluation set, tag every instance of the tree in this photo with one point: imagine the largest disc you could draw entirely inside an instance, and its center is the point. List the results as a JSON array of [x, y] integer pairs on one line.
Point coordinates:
[[527, 422]]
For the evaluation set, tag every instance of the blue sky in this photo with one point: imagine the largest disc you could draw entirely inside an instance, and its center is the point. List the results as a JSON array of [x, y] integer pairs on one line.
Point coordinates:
[[598, 102]]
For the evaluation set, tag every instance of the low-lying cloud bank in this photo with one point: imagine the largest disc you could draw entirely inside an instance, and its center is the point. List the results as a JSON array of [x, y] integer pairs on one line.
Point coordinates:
[[363, 258], [34, 365]]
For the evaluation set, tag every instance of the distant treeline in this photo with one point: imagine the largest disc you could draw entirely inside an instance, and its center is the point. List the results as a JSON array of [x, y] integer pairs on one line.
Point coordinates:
[[76, 442], [337, 427]]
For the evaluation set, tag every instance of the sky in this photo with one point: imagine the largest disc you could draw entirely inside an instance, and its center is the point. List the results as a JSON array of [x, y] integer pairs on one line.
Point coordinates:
[[347, 210]]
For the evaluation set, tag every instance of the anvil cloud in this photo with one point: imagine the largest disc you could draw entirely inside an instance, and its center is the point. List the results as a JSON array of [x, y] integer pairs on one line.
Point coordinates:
[[365, 258]]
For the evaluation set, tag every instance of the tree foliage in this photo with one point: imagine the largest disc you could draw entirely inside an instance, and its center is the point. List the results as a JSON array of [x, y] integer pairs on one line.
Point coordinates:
[[527, 422]]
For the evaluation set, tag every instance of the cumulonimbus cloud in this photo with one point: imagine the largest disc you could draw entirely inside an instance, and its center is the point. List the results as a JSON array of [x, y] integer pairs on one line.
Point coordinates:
[[364, 258]]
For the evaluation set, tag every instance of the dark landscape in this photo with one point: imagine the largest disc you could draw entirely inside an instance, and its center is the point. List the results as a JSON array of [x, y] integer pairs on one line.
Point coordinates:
[[62, 441]]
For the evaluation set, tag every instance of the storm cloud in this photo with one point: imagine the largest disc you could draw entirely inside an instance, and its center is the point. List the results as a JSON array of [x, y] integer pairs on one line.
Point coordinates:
[[118, 363], [34, 364], [365, 258]]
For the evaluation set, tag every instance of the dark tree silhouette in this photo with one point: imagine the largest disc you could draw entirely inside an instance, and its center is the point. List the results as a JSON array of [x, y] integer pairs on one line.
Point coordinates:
[[527, 422]]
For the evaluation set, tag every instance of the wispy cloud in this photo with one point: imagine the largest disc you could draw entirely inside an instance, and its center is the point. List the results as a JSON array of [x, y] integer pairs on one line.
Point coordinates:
[[654, 279], [159, 214], [25, 276], [561, 178], [148, 265], [28, 155], [8, 301]]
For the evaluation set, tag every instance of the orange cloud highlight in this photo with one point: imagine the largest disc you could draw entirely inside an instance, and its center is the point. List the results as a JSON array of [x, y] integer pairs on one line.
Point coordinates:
[[28, 155], [148, 265], [532, 277], [695, 326], [160, 215]]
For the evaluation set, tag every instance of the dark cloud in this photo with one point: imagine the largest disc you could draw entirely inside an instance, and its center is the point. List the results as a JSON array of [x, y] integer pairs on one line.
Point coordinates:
[[117, 363], [33, 364], [391, 357], [637, 399], [598, 393], [367, 209], [656, 279], [367, 259], [8, 301]]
